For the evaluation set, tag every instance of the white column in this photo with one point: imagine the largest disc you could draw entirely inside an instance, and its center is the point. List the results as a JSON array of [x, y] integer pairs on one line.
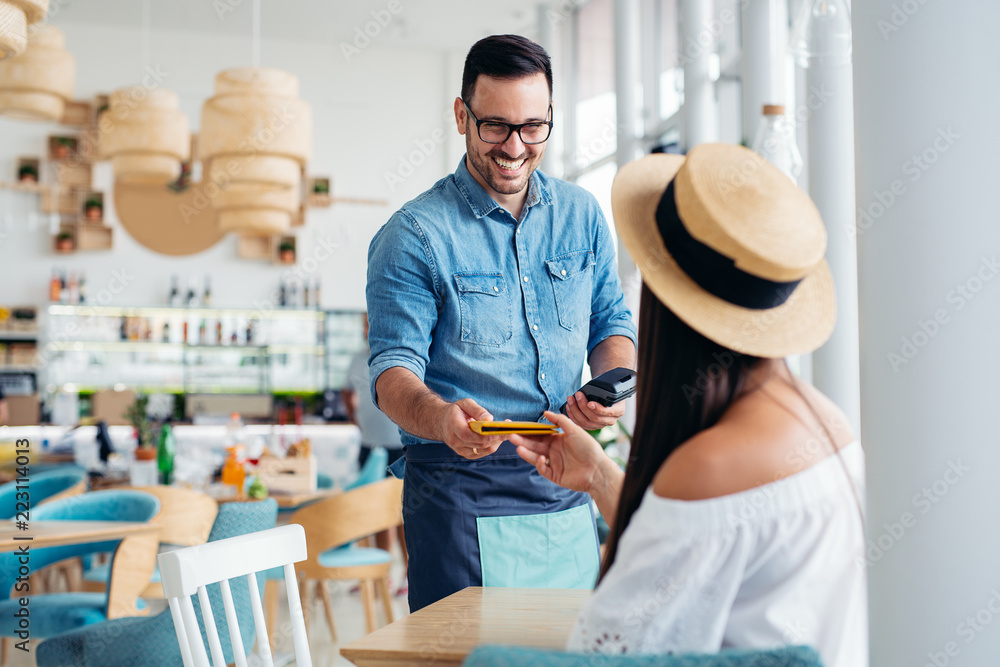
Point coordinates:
[[830, 131], [927, 140], [547, 40], [627, 74], [700, 117], [764, 44]]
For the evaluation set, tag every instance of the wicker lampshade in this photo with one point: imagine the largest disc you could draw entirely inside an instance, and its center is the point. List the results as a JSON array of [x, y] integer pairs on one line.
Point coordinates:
[[255, 132], [15, 17], [261, 212], [36, 84], [145, 136]]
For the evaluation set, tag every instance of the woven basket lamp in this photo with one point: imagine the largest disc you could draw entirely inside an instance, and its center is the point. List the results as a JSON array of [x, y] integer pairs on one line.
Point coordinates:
[[37, 84], [256, 134], [262, 212], [144, 135], [15, 17]]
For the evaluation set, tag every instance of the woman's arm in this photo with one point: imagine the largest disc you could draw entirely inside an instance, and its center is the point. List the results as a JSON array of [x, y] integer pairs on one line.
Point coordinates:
[[574, 460]]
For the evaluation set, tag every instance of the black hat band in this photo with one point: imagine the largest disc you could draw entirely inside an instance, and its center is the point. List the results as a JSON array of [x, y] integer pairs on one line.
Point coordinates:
[[713, 272]]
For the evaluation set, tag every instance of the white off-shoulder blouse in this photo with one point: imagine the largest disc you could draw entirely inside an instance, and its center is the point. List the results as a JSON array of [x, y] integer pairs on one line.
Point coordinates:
[[778, 564]]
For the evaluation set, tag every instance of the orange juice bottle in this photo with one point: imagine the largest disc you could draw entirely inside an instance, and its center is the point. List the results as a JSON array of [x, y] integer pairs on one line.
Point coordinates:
[[233, 472]]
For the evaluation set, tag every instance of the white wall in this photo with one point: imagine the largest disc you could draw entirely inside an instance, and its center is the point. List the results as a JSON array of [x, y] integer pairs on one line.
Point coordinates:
[[371, 115]]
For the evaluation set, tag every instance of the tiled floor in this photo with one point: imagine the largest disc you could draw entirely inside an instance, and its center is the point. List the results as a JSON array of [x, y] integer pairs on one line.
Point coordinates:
[[349, 622]]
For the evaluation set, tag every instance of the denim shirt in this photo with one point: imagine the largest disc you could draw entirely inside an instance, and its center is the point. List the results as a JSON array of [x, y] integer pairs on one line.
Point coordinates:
[[480, 305]]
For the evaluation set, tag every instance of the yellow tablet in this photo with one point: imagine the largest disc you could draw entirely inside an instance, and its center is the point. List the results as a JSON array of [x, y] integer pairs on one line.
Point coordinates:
[[506, 428]]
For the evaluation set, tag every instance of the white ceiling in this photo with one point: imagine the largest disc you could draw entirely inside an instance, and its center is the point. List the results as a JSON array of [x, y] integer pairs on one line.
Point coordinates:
[[436, 24]]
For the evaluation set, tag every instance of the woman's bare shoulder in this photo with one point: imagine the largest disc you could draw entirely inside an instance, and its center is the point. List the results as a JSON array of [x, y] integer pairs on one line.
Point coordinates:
[[762, 438]]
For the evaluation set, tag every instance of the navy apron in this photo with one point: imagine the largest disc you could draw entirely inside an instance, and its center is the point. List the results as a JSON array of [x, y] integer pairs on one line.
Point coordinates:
[[491, 522]]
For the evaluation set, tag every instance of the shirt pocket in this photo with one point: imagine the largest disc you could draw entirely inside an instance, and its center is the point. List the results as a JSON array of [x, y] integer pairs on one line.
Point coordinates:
[[572, 278], [484, 303]]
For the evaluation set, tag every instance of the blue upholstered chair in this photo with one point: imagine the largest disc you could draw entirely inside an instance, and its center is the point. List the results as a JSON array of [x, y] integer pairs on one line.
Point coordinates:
[[503, 656], [43, 486], [373, 470], [52, 614], [151, 641]]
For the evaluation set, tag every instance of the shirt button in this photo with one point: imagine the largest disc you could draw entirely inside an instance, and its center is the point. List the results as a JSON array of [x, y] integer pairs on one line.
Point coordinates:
[[526, 279], [534, 327], [563, 272], [518, 231], [543, 376], [496, 289]]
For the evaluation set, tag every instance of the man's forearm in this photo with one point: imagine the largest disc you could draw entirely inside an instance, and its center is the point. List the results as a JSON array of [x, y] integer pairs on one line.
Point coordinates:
[[410, 403], [612, 352]]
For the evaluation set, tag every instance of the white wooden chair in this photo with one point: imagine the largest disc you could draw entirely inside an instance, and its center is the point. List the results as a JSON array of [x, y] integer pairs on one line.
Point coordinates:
[[188, 571]]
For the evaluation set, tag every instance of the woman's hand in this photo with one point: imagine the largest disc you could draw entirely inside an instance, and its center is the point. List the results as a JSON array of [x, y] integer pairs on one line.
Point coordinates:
[[572, 459]]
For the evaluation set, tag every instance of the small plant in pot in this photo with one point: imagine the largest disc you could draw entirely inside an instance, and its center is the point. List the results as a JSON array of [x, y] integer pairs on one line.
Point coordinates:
[[64, 241], [93, 209], [136, 414], [61, 147], [321, 186], [286, 252], [28, 173]]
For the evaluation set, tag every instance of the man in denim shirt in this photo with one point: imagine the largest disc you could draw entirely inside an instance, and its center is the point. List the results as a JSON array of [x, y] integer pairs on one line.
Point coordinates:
[[486, 294]]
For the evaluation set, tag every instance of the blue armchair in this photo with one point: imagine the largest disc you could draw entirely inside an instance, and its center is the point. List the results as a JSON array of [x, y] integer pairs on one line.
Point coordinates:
[[503, 656], [43, 486], [151, 641]]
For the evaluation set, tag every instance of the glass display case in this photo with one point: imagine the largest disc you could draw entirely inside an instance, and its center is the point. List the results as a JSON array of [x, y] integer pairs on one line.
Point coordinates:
[[196, 350]]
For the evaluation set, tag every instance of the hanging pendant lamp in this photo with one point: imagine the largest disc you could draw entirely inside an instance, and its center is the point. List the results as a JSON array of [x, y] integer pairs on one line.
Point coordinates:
[[37, 84], [145, 136], [260, 212], [15, 17], [255, 132]]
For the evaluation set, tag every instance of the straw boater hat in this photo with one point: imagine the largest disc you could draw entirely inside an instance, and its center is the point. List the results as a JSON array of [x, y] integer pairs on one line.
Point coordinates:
[[729, 244]]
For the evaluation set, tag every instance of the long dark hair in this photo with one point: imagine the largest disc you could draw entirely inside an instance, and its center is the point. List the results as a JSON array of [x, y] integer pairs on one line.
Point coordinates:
[[685, 383]]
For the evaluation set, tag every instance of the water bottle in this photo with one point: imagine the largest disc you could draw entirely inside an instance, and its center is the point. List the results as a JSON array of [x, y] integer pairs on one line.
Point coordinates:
[[165, 455], [775, 141]]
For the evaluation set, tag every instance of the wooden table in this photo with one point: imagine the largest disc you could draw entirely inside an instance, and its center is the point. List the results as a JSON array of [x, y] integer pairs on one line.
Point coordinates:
[[59, 533], [447, 631], [285, 501]]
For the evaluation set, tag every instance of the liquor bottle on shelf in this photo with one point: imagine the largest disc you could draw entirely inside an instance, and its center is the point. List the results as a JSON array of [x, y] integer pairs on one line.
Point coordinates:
[[206, 299], [202, 333], [166, 332], [316, 299], [249, 332], [175, 293], [184, 332], [192, 295], [282, 294], [218, 332], [73, 288], [305, 294], [82, 288], [63, 289], [123, 329], [55, 287], [293, 294]]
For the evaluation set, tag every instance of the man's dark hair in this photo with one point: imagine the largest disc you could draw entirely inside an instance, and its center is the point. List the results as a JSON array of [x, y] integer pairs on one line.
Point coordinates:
[[504, 57]]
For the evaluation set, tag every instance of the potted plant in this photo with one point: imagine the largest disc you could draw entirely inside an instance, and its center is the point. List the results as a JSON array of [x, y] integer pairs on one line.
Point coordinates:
[[61, 147], [64, 241], [94, 209], [136, 414], [286, 251], [27, 173], [321, 186]]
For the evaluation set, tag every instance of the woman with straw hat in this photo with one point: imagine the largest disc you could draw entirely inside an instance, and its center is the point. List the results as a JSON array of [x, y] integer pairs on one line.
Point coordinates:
[[737, 521]]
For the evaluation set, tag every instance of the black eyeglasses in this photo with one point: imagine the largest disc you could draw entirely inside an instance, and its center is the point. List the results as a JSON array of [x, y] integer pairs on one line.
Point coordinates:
[[497, 132]]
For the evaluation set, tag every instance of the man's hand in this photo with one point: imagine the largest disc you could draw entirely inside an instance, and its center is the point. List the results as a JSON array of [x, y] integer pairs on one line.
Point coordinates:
[[591, 415], [463, 440]]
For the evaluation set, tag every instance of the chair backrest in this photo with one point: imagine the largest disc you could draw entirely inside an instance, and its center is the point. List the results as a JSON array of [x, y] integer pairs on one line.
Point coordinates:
[[373, 470], [186, 516], [42, 487], [349, 516], [190, 570], [502, 656], [111, 505]]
